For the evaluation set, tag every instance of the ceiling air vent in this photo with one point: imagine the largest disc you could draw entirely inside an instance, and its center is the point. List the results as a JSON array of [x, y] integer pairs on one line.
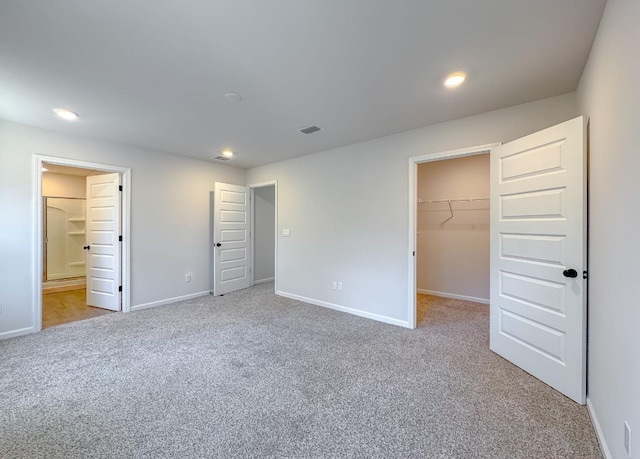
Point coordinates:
[[309, 129], [221, 158]]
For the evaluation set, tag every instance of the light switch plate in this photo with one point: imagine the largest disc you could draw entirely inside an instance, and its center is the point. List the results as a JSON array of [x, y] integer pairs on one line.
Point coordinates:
[[286, 232]]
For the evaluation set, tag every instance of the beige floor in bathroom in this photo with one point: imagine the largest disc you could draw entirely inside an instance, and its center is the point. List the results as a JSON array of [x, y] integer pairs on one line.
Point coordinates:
[[64, 307]]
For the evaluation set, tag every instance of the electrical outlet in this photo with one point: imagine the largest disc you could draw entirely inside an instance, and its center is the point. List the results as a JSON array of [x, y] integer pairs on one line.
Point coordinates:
[[627, 438], [187, 277], [340, 286]]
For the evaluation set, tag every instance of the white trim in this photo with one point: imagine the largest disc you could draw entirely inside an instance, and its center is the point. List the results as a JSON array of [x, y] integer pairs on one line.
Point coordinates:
[[599, 433], [413, 198], [264, 281], [263, 184], [38, 209], [252, 234], [337, 307], [153, 304], [454, 296], [18, 332], [252, 186]]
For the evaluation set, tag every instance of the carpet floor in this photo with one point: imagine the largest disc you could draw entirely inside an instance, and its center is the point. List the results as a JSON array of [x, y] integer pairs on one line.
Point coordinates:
[[252, 374]]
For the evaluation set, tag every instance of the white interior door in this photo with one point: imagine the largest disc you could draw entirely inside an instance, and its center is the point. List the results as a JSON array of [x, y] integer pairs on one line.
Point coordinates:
[[102, 241], [231, 226], [538, 255]]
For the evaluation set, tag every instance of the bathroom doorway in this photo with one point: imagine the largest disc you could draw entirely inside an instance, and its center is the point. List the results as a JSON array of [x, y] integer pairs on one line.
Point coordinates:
[[82, 231]]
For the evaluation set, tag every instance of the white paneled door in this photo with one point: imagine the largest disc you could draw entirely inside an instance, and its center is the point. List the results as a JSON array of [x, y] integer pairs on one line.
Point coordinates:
[[102, 241], [538, 255], [231, 227]]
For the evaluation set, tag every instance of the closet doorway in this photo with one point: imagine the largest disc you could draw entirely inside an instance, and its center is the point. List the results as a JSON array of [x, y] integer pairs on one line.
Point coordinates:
[[449, 228], [82, 227], [452, 238], [263, 234]]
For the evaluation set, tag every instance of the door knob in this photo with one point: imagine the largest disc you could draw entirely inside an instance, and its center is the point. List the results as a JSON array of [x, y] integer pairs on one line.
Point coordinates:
[[87, 247], [570, 273], [218, 244]]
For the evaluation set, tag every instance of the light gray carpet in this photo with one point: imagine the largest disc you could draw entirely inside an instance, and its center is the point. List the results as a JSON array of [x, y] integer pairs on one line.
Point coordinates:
[[251, 374]]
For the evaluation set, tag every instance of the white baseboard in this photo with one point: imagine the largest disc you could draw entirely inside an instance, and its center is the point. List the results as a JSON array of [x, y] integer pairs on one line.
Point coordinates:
[[337, 307], [14, 333], [153, 304], [599, 433], [454, 296], [263, 281]]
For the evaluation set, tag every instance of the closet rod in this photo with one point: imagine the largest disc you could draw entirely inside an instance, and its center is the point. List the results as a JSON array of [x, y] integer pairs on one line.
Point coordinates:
[[444, 201]]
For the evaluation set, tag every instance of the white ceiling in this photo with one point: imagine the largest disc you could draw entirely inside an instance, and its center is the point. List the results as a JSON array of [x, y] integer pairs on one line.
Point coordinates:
[[154, 73]]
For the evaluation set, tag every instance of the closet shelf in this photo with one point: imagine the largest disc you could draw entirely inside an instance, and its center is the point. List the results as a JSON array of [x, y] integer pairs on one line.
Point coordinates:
[[76, 233], [76, 219], [456, 204], [451, 205]]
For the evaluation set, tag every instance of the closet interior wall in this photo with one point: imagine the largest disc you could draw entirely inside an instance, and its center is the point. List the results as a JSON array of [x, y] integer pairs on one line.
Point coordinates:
[[453, 253]]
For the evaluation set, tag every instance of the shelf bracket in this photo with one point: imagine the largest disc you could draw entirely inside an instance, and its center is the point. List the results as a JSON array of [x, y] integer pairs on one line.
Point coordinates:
[[451, 211]]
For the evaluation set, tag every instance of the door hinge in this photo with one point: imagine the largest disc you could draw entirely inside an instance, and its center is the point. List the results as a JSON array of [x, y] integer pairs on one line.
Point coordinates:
[[120, 187], [584, 275], [414, 253], [120, 288], [120, 238]]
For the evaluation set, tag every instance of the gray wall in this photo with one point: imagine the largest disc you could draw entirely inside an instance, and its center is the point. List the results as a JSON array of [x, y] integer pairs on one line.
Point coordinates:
[[264, 233], [169, 223], [348, 208], [609, 95], [453, 257]]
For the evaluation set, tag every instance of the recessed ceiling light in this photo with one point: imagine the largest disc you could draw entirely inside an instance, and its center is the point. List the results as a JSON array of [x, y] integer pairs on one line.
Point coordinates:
[[227, 153], [65, 114], [454, 80], [233, 97]]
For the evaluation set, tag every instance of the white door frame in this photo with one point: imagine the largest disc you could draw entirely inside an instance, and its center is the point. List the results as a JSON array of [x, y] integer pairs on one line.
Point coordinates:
[[252, 188], [413, 210], [38, 230]]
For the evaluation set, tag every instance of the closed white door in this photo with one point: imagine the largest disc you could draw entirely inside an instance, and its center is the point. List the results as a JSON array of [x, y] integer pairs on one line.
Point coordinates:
[[538, 255], [102, 241], [231, 238]]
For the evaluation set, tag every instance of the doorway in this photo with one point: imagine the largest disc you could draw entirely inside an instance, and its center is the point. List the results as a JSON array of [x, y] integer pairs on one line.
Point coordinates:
[[452, 249], [82, 240], [242, 229], [263, 233], [436, 211]]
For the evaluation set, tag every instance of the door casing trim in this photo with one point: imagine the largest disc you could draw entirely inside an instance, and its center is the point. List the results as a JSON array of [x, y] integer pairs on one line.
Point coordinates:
[[413, 210]]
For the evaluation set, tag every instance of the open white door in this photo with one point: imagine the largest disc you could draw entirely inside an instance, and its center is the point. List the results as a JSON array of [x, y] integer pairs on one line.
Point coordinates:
[[231, 237], [102, 238], [538, 255]]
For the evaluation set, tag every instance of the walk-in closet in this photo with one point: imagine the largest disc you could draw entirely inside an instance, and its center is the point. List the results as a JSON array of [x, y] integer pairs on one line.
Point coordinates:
[[453, 230]]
